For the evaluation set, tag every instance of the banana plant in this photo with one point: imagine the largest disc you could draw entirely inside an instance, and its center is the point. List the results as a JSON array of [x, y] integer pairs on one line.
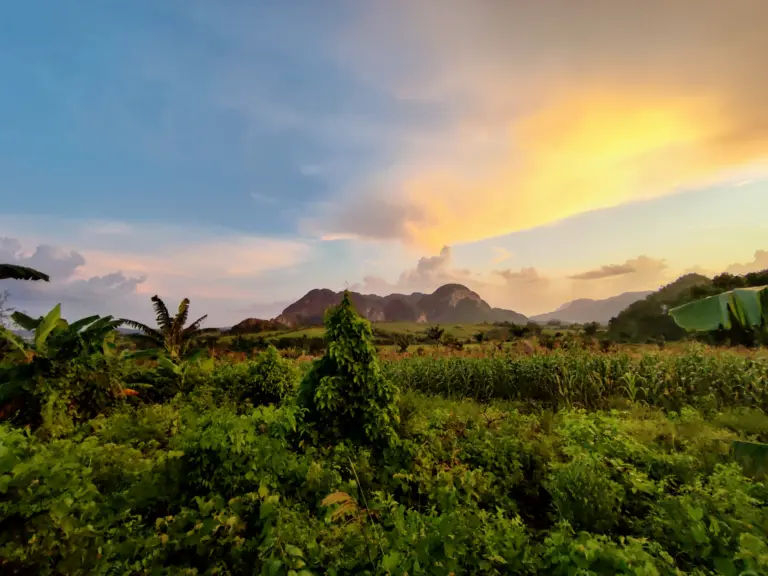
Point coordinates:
[[16, 272], [33, 368], [170, 335], [55, 338], [747, 307]]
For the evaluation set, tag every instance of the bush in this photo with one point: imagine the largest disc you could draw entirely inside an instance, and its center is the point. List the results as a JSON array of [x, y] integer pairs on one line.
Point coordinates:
[[267, 380], [345, 392]]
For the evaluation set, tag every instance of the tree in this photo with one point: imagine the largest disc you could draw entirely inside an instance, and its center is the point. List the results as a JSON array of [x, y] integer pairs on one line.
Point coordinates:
[[591, 328], [345, 392], [435, 333], [170, 334], [16, 272]]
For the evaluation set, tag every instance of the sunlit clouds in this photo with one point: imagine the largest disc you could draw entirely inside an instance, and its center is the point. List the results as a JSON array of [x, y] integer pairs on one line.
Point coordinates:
[[557, 108]]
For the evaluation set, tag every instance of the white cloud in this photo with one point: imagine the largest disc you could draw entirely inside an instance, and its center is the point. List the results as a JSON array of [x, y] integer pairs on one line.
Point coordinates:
[[263, 198]]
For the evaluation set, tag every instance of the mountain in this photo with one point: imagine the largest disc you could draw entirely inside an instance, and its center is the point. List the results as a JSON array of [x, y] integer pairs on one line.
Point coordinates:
[[586, 310], [449, 304]]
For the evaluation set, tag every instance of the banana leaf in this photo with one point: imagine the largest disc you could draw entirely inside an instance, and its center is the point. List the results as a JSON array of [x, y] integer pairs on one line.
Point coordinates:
[[47, 325], [747, 306], [15, 272]]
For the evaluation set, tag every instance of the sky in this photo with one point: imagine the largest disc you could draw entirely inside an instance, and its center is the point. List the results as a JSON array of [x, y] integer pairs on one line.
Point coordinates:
[[242, 153]]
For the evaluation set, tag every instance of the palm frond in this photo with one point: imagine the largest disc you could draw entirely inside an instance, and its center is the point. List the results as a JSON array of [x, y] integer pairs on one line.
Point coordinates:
[[15, 272], [194, 327], [161, 314], [177, 329], [145, 339], [205, 331], [145, 330]]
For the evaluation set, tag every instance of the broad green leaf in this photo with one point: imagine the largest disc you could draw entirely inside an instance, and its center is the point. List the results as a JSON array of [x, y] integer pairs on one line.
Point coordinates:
[[83, 322], [749, 307], [24, 321], [46, 326], [12, 339], [138, 354], [169, 365]]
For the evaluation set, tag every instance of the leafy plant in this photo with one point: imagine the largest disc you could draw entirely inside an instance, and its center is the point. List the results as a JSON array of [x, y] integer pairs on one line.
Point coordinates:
[[345, 391], [747, 307], [66, 370], [434, 333], [403, 341], [269, 379], [16, 272], [171, 335]]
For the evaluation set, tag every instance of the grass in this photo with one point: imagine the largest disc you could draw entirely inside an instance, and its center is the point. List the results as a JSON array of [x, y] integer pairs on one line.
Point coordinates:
[[461, 332]]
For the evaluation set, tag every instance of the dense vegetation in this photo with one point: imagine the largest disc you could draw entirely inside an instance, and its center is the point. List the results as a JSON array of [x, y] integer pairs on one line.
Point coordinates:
[[647, 319], [572, 461]]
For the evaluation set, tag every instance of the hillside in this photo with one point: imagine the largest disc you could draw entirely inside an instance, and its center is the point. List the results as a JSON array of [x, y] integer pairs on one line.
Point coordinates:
[[449, 304], [585, 310], [647, 318]]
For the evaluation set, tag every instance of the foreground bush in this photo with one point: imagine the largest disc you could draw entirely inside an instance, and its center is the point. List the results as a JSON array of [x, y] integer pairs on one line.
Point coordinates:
[[468, 489]]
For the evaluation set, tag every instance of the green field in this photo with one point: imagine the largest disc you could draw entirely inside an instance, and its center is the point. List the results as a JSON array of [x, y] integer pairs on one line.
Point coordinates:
[[459, 331], [570, 462]]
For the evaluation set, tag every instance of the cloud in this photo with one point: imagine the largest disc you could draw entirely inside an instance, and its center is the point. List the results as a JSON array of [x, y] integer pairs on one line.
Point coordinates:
[[263, 198], [78, 296], [604, 272], [555, 108], [57, 263], [502, 254], [221, 271], [758, 264], [639, 265], [311, 169], [527, 289]]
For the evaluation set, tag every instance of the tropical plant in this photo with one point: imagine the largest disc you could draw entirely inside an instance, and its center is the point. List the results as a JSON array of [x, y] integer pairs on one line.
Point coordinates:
[[171, 335], [64, 369], [16, 272], [345, 391], [745, 307]]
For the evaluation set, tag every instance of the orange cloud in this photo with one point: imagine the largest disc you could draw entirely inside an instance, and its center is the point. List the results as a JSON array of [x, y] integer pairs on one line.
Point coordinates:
[[555, 108], [585, 152]]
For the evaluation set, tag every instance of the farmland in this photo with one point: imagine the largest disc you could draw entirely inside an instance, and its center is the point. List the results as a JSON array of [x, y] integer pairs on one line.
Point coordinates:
[[487, 460]]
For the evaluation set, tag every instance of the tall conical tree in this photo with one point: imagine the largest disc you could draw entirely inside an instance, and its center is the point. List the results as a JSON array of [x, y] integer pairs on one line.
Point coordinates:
[[345, 392]]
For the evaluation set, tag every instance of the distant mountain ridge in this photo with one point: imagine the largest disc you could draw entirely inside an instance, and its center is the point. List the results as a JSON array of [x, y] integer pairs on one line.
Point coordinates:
[[449, 304], [585, 310]]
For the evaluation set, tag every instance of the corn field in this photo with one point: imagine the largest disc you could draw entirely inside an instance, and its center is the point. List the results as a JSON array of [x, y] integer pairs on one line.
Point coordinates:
[[592, 380]]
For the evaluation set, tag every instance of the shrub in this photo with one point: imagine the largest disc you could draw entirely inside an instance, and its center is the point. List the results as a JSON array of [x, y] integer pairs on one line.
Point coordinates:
[[266, 380], [345, 391]]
